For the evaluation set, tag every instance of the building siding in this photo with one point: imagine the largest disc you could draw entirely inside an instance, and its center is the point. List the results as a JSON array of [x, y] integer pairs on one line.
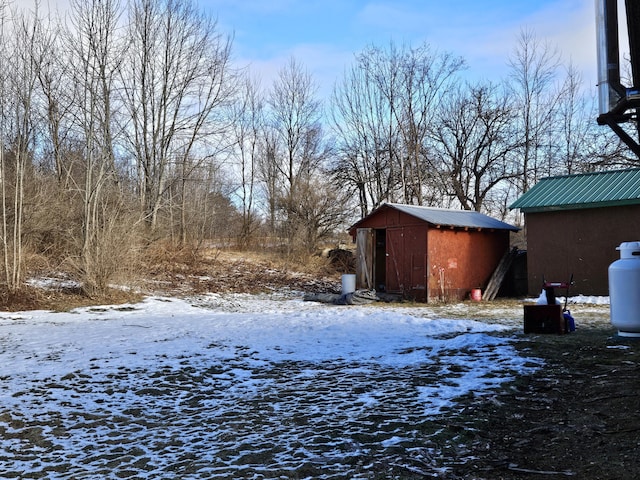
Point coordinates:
[[579, 242]]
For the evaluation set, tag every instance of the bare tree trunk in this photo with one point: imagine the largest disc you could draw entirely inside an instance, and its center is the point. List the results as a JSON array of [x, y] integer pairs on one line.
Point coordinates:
[[95, 55], [18, 91]]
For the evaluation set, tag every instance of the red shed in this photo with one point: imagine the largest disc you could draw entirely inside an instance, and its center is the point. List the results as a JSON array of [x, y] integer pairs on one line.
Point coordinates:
[[426, 253]]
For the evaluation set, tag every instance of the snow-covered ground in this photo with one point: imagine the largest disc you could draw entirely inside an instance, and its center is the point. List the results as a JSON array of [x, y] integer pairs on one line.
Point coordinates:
[[235, 386]]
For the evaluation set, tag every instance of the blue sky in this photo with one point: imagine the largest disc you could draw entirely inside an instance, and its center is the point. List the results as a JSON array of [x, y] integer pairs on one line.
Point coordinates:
[[324, 35]]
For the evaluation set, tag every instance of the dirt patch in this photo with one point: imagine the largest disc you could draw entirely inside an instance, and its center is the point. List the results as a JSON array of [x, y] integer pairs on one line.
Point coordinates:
[[579, 416]]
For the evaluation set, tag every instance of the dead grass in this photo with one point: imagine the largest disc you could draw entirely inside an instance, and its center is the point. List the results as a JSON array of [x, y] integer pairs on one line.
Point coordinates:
[[60, 299], [170, 271], [227, 271]]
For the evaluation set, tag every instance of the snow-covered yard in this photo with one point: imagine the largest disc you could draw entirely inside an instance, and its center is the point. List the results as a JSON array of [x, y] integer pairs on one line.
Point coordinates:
[[237, 386]]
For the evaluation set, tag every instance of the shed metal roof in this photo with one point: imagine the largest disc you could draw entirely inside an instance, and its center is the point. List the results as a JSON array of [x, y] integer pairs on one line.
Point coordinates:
[[589, 190], [448, 217]]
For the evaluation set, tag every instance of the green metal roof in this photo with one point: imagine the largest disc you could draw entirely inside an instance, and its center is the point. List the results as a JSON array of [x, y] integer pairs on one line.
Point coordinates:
[[589, 190]]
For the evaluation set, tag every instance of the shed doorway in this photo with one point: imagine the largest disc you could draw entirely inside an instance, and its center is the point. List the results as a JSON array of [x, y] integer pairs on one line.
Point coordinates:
[[380, 260], [371, 268]]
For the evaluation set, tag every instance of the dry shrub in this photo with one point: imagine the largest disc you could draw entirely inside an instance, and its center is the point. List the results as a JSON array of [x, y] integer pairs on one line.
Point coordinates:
[[26, 298], [36, 263], [165, 255], [111, 255], [60, 299], [52, 221]]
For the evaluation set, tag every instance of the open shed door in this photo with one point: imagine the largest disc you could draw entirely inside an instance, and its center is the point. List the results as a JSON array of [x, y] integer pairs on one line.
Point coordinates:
[[365, 245]]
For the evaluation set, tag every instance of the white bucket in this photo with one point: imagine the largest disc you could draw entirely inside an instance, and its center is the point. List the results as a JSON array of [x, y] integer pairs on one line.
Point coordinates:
[[348, 283]]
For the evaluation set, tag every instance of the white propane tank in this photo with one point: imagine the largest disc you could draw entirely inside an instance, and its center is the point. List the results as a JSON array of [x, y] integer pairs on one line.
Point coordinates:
[[624, 290]]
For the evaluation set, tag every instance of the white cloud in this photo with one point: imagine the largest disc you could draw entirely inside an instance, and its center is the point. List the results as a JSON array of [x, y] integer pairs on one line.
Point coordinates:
[[324, 62], [568, 25], [571, 26]]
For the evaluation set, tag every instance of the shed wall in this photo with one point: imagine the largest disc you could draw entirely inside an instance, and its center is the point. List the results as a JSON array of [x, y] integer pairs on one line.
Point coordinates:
[[389, 217], [461, 260], [582, 242]]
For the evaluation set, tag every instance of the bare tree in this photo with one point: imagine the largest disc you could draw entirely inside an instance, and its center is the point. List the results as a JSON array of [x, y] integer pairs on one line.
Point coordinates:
[[18, 84], [533, 73], [323, 210], [196, 201], [55, 77], [383, 112], [96, 53], [177, 75], [580, 145], [366, 138], [294, 117], [574, 121], [382, 68], [426, 79], [268, 174], [248, 125], [474, 140]]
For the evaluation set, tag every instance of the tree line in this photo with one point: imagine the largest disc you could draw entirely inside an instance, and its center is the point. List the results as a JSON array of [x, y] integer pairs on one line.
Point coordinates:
[[125, 124]]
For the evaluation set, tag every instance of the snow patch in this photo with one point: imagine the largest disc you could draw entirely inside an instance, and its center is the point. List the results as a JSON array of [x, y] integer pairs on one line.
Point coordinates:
[[234, 386]]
